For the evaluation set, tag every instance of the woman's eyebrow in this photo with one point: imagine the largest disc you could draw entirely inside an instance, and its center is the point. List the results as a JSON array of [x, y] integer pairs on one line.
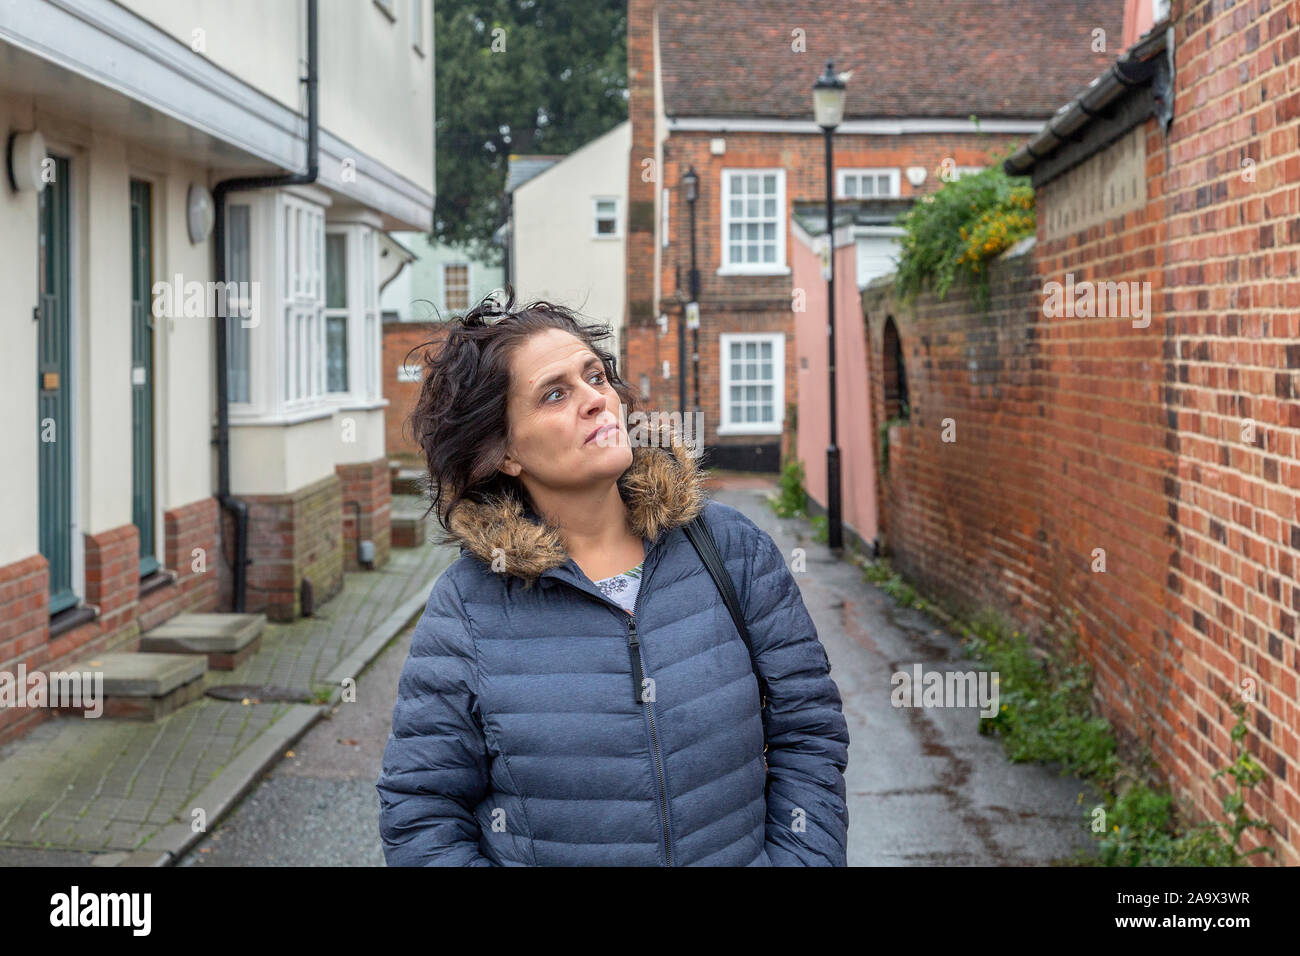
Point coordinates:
[[560, 376]]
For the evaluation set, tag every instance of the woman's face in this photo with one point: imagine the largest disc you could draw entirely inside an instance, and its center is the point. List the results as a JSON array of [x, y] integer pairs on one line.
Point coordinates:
[[559, 396]]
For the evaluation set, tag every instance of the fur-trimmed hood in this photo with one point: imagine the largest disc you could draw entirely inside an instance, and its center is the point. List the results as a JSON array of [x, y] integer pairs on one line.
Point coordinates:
[[663, 490]]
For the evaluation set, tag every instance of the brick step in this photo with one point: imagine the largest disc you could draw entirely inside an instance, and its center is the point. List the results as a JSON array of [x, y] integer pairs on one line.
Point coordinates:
[[227, 640], [409, 530], [407, 481], [146, 686]]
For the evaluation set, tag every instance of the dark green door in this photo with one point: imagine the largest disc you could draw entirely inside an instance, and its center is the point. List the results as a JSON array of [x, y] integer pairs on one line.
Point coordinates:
[[53, 385], [142, 376]]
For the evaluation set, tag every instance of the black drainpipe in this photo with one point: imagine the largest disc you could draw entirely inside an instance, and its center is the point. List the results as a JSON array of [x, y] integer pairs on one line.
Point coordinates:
[[238, 509]]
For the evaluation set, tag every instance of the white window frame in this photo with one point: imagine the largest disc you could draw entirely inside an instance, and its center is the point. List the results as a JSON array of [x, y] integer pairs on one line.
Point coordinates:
[[288, 308], [777, 425], [417, 26], [372, 331], [237, 306], [596, 217], [301, 304], [344, 312], [895, 181], [779, 267], [364, 329], [469, 284]]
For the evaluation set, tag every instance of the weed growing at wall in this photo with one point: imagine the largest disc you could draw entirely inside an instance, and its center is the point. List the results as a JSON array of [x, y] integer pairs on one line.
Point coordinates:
[[884, 441], [821, 529], [1045, 714], [791, 500], [954, 233]]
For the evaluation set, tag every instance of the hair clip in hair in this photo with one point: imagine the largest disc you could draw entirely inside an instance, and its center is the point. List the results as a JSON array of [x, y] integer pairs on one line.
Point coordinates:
[[492, 305]]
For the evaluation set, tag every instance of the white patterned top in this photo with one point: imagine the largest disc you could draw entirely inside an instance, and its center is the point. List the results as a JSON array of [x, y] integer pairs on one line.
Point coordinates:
[[623, 588]]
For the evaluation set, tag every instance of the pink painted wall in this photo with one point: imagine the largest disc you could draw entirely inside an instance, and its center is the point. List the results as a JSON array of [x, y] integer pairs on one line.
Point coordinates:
[[853, 409], [1139, 17]]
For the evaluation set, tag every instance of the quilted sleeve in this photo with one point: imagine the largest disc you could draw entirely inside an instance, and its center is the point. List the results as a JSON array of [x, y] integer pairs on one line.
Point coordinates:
[[807, 735], [435, 764]]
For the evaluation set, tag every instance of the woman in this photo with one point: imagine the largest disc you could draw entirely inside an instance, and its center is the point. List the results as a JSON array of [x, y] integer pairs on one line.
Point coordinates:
[[553, 713]]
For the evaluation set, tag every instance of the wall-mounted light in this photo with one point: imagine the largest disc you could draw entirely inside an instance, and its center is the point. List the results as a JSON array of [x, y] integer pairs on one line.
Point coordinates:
[[25, 159], [200, 213], [916, 175]]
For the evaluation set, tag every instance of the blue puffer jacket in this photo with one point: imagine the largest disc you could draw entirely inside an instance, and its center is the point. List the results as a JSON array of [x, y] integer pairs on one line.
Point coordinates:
[[517, 739]]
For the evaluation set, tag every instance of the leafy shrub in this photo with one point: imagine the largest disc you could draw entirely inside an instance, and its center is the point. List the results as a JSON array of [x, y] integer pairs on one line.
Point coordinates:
[[954, 232], [792, 500]]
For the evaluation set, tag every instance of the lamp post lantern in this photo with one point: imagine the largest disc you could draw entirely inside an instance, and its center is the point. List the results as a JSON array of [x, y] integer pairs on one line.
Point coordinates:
[[828, 110]]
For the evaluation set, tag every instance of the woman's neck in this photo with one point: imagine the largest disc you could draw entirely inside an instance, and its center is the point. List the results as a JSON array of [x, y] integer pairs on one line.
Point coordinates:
[[593, 527]]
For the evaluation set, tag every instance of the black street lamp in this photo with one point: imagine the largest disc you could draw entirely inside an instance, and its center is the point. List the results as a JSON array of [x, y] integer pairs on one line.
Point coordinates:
[[828, 109], [691, 182]]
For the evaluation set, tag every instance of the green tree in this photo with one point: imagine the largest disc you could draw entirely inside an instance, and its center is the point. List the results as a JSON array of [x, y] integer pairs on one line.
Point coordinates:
[[517, 76]]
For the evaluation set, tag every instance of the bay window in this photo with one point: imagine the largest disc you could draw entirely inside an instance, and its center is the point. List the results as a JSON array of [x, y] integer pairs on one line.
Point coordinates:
[[275, 319], [352, 314]]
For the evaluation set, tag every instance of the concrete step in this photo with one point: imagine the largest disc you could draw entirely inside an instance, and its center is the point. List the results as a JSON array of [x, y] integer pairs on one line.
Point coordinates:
[[147, 686], [409, 530], [227, 640]]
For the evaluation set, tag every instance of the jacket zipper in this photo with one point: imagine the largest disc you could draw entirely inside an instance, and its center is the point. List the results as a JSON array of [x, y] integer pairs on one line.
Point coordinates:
[[637, 675]]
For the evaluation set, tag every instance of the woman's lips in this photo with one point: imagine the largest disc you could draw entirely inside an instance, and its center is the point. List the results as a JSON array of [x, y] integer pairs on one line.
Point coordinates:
[[599, 432]]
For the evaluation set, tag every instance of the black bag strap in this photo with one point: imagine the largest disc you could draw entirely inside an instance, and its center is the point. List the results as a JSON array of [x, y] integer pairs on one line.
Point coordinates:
[[702, 538]]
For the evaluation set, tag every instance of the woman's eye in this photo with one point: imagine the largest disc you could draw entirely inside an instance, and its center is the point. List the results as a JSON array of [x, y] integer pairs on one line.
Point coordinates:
[[599, 375]]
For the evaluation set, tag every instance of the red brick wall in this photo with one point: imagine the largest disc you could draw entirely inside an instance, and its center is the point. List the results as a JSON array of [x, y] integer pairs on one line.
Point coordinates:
[[113, 575], [399, 339], [292, 537], [965, 517], [193, 554], [24, 628], [368, 484], [190, 528], [1232, 320], [1077, 434]]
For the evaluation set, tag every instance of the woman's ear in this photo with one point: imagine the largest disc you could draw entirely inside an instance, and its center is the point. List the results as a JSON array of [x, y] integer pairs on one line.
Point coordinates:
[[510, 467]]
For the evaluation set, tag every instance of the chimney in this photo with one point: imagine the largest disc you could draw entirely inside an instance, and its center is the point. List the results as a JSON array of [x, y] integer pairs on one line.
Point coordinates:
[[640, 194]]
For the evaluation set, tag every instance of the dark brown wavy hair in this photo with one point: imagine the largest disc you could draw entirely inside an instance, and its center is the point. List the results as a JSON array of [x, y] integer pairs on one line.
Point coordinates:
[[460, 419]]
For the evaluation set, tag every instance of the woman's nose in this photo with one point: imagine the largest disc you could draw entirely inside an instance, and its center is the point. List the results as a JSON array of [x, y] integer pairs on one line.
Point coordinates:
[[594, 398]]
